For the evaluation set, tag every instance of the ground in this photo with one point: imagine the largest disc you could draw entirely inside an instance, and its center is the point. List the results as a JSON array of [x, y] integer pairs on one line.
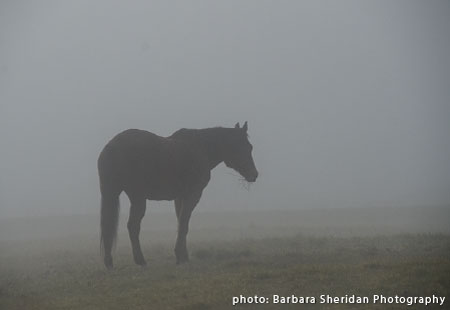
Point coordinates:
[[271, 256]]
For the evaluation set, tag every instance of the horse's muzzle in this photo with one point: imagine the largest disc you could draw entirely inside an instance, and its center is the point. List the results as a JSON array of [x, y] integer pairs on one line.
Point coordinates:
[[253, 177]]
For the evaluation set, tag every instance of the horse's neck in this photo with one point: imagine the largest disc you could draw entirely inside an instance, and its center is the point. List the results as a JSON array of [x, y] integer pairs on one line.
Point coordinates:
[[213, 141]]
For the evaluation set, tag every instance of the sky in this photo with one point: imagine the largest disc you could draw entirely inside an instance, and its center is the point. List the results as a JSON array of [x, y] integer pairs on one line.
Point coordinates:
[[348, 102]]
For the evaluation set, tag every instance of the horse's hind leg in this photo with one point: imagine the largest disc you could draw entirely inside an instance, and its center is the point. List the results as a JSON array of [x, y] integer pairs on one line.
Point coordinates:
[[137, 212], [108, 223]]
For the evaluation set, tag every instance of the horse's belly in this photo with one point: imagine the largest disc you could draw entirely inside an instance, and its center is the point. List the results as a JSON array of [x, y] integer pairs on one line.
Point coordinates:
[[164, 189], [164, 177], [160, 196]]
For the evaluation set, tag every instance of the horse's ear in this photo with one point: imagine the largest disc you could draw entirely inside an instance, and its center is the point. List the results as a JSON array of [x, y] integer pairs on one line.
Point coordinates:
[[245, 127], [237, 125]]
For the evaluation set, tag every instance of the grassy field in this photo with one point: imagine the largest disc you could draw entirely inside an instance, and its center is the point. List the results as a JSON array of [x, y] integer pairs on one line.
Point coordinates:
[[47, 270]]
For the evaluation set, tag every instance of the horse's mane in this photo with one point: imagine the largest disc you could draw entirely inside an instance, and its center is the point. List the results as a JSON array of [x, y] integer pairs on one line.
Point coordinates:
[[203, 134]]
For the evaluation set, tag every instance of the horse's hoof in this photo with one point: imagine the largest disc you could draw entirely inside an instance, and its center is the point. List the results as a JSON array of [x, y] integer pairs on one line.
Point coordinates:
[[182, 260], [140, 261], [108, 263]]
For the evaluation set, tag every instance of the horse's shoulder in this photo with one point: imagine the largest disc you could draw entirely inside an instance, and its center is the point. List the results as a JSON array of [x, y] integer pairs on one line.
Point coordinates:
[[180, 133]]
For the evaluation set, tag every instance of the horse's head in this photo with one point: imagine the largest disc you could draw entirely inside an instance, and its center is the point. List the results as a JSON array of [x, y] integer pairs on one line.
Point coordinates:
[[239, 156]]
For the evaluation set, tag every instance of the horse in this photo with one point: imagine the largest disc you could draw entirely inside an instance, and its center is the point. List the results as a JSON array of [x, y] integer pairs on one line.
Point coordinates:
[[149, 167]]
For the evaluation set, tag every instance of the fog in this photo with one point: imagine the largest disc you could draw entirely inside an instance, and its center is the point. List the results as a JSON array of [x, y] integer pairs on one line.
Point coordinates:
[[348, 102]]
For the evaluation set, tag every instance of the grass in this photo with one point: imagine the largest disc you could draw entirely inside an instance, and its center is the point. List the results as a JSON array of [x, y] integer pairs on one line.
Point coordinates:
[[48, 274]]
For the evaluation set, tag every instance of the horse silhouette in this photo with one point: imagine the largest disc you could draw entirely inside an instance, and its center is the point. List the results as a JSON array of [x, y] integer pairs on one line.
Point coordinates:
[[148, 167]]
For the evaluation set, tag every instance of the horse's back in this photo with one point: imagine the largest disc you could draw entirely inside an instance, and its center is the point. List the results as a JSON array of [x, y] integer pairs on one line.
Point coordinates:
[[139, 159], [136, 138], [132, 146]]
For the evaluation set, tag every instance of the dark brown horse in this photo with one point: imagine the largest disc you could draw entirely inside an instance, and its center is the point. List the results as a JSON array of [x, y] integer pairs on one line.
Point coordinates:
[[147, 166]]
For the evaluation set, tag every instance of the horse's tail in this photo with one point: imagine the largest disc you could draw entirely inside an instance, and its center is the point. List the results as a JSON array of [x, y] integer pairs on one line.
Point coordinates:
[[109, 219]]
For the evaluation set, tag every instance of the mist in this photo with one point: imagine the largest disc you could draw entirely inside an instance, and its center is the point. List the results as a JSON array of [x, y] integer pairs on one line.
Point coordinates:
[[347, 102]]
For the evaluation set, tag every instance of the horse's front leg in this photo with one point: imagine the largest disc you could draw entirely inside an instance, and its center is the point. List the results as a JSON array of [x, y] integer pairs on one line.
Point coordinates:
[[137, 212], [184, 208]]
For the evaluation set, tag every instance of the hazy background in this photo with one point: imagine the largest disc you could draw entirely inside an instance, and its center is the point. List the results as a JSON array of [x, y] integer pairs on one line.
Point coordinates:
[[348, 102]]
